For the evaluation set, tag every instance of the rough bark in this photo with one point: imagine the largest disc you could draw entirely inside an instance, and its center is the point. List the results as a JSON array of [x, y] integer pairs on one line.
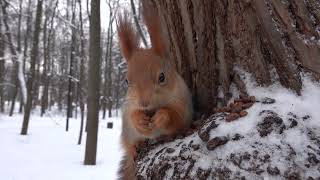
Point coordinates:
[[208, 39], [34, 56], [248, 155], [94, 84], [210, 43], [2, 66]]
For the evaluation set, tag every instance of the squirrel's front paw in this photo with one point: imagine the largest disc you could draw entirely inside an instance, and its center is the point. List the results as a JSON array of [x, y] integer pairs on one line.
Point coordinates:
[[142, 122], [161, 119]]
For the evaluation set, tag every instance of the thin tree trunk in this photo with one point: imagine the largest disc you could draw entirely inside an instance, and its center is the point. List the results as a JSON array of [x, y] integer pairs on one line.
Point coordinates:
[[117, 90], [53, 89], [109, 71], [2, 66], [105, 84], [14, 74], [26, 43], [94, 84], [71, 70], [19, 45], [36, 86], [46, 65], [15, 71], [44, 98], [81, 80], [34, 56]]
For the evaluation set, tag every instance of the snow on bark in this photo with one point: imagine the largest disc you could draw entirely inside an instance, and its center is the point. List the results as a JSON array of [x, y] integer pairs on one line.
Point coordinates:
[[278, 139], [21, 78]]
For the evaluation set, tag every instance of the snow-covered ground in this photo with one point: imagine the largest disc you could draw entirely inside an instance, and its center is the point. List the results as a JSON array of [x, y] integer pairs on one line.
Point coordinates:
[[49, 152]]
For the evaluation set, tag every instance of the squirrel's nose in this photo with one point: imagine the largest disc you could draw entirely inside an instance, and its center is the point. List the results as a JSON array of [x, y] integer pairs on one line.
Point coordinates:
[[144, 103]]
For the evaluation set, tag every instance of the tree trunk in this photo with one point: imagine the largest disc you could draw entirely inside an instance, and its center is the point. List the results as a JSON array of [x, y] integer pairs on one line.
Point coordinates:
[[117, 90], [44, 97], [2, 66], [34, 56], [26, 43], [107, 89], [36, 86], [71, 70], [209, 40], [94, 84], [47, 34], [19, 48], [14, 53], [82, 69], [109, 71], [52, 86], [106, 69], [15, 70]]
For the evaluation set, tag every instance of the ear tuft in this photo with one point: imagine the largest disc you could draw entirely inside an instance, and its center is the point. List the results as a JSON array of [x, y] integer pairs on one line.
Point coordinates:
[[128, 37], [152, 21]]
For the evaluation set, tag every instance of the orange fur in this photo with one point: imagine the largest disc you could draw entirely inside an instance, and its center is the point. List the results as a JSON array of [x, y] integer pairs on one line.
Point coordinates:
[[129, 39], [152, 21], [168, 120], [168, 99], [141, 122]]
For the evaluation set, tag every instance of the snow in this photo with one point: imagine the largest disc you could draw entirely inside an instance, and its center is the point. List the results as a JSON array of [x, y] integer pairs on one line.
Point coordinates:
[[49, 152], [21, 78], [288, 151]]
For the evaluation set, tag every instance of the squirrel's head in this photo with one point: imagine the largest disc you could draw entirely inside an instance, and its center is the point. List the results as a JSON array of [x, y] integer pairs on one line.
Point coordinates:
[[150, 76]]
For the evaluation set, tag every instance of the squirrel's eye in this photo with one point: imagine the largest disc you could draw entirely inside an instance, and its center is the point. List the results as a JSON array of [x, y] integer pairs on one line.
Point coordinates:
[[126, 81], [162, 78]]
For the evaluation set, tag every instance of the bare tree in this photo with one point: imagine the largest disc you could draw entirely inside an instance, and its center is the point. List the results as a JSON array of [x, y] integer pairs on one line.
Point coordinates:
[[94, 84], [107, 89], [71, 69], [2, 66], [82, 69], [47, 37], [17, 75], [34, 56], [26, 43], [14, 73], [109, 71]]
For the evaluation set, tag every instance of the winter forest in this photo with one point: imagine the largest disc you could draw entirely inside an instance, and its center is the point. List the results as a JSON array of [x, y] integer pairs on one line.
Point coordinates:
[[159, 89]]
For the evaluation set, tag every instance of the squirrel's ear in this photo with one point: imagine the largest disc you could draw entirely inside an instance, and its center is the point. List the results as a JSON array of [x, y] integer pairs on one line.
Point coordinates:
[[128, 37], [152, 21]]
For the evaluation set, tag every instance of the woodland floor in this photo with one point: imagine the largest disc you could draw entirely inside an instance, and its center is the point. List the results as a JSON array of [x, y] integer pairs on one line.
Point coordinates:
[[49, 152]]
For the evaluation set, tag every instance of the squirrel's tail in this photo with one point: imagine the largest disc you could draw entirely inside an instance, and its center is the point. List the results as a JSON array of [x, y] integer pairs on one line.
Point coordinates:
[[127, 169]]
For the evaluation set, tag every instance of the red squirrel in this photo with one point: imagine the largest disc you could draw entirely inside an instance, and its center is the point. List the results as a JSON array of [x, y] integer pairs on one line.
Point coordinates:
[[158, 101]]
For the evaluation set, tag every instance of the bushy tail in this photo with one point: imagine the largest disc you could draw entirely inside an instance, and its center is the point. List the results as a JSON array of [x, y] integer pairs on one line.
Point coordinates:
[[127, 170]]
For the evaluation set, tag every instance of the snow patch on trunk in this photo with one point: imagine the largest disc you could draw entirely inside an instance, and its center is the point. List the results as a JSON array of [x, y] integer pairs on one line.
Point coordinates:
[[21, 78]]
